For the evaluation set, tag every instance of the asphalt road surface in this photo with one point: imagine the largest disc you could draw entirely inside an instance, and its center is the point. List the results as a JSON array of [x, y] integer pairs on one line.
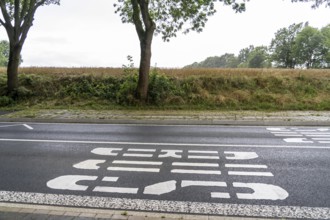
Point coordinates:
[[281, 172]]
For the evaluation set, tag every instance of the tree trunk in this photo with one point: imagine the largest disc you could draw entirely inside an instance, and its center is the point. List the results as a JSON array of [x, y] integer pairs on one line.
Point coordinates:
[[12, 70], [145, 46]]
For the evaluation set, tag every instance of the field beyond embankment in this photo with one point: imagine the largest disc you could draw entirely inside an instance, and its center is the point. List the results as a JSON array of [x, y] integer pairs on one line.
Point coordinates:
[[211, 89]]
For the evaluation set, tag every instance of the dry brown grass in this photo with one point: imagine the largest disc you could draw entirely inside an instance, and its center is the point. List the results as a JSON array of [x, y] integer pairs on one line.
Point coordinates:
[[179, 73]]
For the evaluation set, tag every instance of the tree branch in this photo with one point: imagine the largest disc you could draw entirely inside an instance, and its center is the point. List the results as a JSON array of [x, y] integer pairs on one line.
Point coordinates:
[[136, 19], [5, 13]]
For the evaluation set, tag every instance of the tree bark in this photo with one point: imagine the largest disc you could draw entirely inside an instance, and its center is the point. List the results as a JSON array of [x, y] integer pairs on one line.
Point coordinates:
[[143, 83], [12, 69], [145, 28]]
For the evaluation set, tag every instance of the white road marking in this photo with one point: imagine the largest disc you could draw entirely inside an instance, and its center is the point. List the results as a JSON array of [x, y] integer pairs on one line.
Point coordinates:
[[277, 129], [246, 166], [137, 162], [195, 164], [220, 195], [202, 152], [262, 191], [16, 125], [324, 142], [171, 153], [160, 188], [206, 172], [318, 135], [297, 140], [106, 151], [69, 182], [108, 189], [89, 164], [288, 135], [315, 133], [203, 157], [241, 155], [186, 183], [110, 179], [227, 209], [242, 173], [134, 169], [165, 144], [28, 127], [141, 150], [137, 155]]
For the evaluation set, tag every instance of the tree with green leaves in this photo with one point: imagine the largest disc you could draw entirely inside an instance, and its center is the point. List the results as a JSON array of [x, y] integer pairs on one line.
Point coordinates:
[[243, 56], [259, 58], [325, 31], [17, 19], [282, 46], [4, 54], [310, 48], [167, 18]]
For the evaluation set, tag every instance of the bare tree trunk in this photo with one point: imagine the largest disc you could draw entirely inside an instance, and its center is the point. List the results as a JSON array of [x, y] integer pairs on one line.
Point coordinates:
[[12, 69], [142, 87]]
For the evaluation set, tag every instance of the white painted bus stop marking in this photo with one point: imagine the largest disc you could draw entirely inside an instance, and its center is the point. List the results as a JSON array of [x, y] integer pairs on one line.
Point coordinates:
[[134, 169], [141, 150], [202, 152], [297, 140], [137, 162], [171, 153], [241, 173], [220, 195], [204, 172], [246, 166], [160, 188], [195, 164], [137, 155], [106, 151], [108, 189], [203, 157], [261, 191], [241, 155], [186, 183], [69, 182], [89, 164]]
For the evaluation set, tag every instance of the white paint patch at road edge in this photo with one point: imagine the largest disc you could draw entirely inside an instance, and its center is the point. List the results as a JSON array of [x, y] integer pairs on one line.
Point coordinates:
[[167, 206], [166, 144], [28, 127]]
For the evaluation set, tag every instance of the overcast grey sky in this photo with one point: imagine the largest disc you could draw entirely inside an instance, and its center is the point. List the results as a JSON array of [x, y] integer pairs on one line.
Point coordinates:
[[87, 33]]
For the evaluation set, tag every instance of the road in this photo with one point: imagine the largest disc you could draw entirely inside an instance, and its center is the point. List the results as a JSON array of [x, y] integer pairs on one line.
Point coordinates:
[[255, 171]]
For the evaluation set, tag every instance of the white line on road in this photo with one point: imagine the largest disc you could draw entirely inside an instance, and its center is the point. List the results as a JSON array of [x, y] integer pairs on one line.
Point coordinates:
[[134, 169], [216, 208], [202, 152], [141, 150], [195, 164], [165, 144], [241, 173], [203, 157], [137, 155], [246, 166], [28, 127], [207, 172], [137, 162]]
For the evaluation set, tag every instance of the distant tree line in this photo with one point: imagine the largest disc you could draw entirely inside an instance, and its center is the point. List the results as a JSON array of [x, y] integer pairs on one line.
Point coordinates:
[[296, 46]]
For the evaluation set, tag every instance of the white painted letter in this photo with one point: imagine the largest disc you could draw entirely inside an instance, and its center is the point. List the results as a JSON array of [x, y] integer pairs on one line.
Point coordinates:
[[69, 182], [261, 191], [160, 188], [241, 155], [106, 151], [88, 164]]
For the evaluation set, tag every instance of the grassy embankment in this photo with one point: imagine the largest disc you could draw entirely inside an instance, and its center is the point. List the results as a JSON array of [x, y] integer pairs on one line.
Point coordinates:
[[200, 89]]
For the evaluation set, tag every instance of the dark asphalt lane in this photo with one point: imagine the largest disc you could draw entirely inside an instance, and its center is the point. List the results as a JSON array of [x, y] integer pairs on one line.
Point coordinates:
[[239, 166]]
